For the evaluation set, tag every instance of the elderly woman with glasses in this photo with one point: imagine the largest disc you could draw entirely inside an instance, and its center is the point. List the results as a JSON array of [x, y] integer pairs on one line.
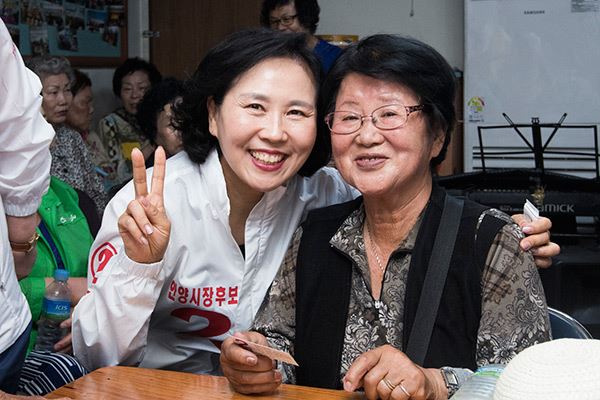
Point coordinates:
[[300, 16], [405, 290]]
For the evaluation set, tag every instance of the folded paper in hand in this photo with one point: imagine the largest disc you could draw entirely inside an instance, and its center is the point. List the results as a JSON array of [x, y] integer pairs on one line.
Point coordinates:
[[530, 211], [267, 351]]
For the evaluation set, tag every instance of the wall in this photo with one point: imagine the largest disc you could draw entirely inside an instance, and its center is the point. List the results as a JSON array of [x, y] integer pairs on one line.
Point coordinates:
[[137, 21], [436, 22]]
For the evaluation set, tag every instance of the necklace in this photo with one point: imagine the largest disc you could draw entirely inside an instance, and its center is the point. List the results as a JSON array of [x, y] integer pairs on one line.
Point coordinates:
[[373, 246]]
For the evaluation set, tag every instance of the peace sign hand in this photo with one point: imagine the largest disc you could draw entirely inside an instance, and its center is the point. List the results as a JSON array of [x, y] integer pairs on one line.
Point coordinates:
[[144, 226]]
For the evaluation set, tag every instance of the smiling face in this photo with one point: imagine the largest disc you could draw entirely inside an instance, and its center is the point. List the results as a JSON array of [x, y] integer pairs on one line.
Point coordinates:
[[383, 162], [133, 88], [56, 98], [266, 125], [80, 113]]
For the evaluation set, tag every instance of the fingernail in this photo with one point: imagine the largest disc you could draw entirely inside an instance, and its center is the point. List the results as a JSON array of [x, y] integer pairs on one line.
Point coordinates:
[[526, 246], [144, 241], [251, 360], [527, 229], [348, 386], [277, 376], [148, 229]]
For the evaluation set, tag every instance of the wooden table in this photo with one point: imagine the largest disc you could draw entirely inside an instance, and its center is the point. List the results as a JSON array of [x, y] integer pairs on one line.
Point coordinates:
[[140, 384]]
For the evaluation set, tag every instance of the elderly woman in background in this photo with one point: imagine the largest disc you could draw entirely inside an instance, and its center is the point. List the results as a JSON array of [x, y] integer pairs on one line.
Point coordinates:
[[155, 113], [299, 16], [79, 117], [71, 161], [347, 299], [154, 116], [119, 130]]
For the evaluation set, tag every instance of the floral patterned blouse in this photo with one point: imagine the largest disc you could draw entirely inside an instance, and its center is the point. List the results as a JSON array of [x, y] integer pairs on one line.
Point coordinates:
[[120, 132], [72, 163], [514, 313]]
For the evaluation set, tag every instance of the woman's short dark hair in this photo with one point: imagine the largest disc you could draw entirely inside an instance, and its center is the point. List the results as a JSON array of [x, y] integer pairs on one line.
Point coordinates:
[[154, 101], [81, 81], [130, 66], [220, 70], [405, 61], [307, 12], [47, 65]]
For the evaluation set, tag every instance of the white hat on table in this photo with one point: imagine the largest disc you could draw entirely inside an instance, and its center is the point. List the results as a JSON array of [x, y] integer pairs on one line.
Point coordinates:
[[557, 370]]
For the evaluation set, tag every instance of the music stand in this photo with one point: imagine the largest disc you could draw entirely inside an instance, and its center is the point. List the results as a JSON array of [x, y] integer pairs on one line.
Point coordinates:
[[538, 148]]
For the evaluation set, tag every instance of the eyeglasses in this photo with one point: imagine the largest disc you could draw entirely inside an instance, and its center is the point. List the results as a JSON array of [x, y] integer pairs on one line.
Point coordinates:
[[286, 20], [390, 116]]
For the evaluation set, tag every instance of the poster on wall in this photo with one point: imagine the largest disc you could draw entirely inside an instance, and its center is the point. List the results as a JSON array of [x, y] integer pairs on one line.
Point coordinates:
[[87, 32]]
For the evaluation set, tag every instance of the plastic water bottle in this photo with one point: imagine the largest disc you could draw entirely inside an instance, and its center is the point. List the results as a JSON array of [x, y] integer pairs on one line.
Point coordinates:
[[480, 386], [55, 309]]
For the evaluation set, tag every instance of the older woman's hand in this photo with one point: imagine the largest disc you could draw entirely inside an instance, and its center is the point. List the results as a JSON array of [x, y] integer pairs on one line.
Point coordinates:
[[387, 373], [538, 239], [248, 372]]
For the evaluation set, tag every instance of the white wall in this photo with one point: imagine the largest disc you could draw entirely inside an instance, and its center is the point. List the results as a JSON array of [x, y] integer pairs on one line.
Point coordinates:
[[104, 99], [440, 23]]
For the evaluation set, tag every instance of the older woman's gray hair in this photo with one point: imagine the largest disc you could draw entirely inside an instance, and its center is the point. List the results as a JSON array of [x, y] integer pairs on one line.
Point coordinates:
[[48, 65]]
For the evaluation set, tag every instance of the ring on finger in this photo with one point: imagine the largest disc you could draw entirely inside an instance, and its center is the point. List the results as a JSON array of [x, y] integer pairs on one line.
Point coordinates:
[[389, 384], [404, 389]]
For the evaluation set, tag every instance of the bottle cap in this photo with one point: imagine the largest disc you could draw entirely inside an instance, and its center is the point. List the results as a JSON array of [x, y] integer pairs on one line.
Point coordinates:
[[61, 275]]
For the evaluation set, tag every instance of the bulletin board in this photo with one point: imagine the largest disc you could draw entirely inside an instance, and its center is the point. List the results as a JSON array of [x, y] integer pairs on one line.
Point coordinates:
[[88, 32]]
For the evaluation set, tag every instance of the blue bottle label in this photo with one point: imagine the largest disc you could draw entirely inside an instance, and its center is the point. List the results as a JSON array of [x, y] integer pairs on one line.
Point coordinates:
[[57, 309]]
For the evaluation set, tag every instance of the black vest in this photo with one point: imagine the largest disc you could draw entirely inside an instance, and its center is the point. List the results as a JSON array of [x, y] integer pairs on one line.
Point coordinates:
[[323, 279]]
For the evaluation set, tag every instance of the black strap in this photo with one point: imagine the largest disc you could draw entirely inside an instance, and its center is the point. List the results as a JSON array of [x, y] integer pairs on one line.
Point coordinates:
[[435, 280], [46, 234]]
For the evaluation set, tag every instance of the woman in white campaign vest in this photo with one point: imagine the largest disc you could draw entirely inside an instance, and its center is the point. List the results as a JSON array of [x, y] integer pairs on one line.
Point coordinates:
[[178, 267]]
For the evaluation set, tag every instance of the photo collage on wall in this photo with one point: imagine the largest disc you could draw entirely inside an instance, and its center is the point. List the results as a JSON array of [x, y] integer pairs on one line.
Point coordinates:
[[65, 27]]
